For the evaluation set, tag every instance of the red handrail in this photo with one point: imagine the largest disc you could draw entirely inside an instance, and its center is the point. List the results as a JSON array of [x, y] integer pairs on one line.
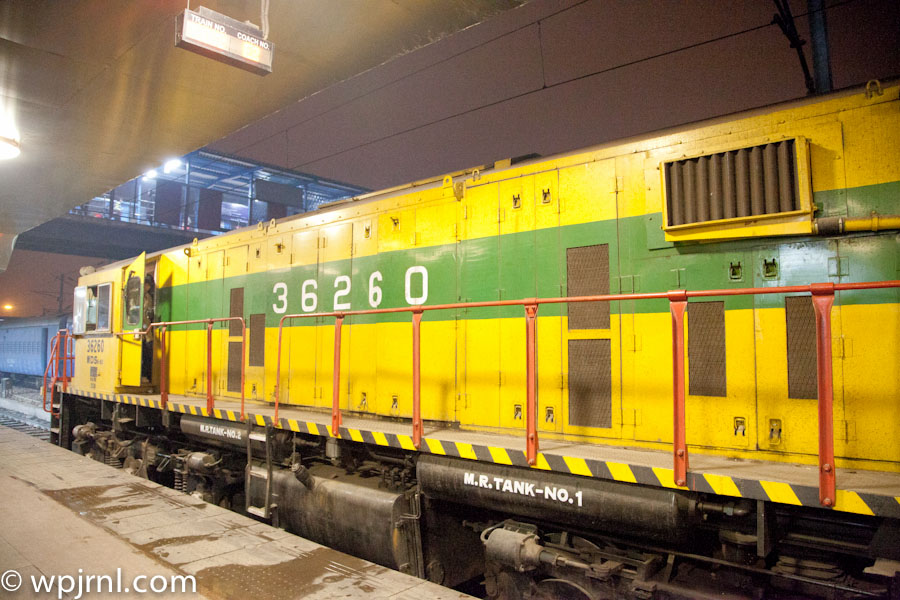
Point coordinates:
[[50, 365], [62, 340], [823, 299]]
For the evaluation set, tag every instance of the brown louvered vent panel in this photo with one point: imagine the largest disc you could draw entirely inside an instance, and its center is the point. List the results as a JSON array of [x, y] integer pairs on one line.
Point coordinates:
[[257, 349], [749, 182], [801, 347], [587, 274], [706, 348], [590, 383], [234, 367], [236, 309]]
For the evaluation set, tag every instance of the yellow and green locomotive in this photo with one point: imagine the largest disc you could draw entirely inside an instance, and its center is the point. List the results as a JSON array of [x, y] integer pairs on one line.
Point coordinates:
[[189, 350]]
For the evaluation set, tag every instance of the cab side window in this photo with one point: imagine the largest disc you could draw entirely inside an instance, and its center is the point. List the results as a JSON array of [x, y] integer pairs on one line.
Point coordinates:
[[91, 308]]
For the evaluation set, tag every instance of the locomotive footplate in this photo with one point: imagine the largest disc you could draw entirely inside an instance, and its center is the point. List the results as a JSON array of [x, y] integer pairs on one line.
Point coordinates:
[[860, 491]]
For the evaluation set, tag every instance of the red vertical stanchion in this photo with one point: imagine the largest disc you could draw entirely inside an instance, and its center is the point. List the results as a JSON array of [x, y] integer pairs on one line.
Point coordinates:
[[163, 370], [531, 376], [277, 372], [417, 399], [244, 366], [823, 300], [65, 361], [209, 393], [336, 386], [677, 306]]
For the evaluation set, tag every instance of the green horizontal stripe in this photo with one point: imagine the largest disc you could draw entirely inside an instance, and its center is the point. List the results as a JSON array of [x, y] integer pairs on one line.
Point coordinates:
[[533, 264]]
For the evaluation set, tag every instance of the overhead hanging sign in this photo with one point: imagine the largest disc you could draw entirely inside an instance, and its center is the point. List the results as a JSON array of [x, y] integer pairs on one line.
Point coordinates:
[[222, 38]]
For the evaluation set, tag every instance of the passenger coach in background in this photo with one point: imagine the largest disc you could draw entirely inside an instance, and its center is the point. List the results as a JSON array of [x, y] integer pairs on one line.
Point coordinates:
[[500, 376]]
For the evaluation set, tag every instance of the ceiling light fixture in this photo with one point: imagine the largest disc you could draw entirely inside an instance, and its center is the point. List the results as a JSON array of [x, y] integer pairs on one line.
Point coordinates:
[[151, 174], [9, 148], [171, 165]]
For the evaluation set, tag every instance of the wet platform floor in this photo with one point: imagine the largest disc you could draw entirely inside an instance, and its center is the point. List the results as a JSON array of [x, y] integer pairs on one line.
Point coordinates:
[[61, 513]]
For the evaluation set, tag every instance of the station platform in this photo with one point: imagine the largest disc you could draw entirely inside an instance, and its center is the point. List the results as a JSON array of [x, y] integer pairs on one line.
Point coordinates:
[[65, 514], [859, 491]]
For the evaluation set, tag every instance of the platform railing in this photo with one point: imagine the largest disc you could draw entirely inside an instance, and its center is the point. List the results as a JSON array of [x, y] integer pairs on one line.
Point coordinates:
[[822, 298], [62, 356]]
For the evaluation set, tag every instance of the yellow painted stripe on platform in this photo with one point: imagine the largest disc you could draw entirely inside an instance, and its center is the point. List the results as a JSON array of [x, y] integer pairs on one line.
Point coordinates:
[[667, 478], [380, 438], [780, 492], [466, 450], [294, 425], [193, 410], [722, 484], [204, 412], [541, 463], [217, 413], [260, 420], [435, 446], [621, 472], [312, 428], [355, 435], [330, 431], [499, 455], [848, 501], [406, 442], [230, 414], [578, 466]]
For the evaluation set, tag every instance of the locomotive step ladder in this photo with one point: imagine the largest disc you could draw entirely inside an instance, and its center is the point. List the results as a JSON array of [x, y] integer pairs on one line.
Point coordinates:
[[256, 472]]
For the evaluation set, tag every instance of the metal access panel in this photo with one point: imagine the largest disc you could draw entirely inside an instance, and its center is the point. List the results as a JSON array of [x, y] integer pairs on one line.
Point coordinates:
[[706, 349], [590, 383], [800, 318], [587, 274]]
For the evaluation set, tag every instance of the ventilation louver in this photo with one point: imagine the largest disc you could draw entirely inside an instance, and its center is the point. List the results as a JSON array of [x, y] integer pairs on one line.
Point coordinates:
[[743, 185]]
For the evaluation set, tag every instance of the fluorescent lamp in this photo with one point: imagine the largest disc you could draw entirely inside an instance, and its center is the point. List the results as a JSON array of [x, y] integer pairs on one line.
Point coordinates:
[[151, 174], [9, 148], [171, 165]]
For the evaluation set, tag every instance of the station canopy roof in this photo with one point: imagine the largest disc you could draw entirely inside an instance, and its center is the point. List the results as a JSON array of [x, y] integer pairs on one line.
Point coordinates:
[[97, 93]]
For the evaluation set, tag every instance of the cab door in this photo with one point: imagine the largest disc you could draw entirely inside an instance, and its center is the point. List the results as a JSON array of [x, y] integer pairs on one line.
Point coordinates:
[[131, 347]]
